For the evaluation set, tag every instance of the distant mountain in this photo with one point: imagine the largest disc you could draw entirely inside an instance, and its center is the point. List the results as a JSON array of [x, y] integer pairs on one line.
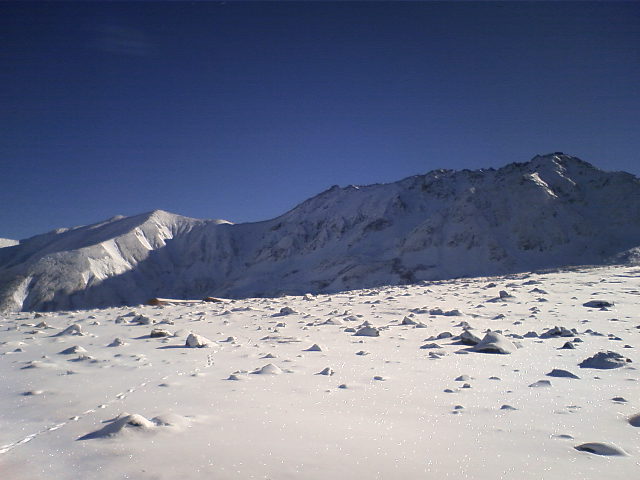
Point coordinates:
[[553, 211]]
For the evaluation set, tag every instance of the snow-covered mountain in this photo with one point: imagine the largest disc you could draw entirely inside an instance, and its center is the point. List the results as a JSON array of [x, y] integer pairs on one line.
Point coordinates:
[[555, 210]]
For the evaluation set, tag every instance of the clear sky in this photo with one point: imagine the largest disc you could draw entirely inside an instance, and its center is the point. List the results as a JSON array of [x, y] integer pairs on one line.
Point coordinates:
[[243, 110]]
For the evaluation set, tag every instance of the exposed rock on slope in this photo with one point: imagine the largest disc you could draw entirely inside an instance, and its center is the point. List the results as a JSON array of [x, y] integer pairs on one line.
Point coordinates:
[[555, 210]]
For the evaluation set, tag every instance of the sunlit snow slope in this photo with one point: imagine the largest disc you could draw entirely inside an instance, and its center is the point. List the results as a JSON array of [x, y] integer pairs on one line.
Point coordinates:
[[554, 210], [7, 242]]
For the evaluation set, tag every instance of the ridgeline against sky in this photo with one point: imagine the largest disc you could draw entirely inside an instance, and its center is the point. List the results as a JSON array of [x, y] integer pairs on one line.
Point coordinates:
[[554, 211], [242, 110]]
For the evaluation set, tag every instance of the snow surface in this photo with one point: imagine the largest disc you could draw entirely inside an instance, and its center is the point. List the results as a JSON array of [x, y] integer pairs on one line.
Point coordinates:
[[555, 210], [258, 402]]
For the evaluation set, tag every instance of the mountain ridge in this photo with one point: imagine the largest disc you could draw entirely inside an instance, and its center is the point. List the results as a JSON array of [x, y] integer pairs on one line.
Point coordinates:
[[555, 210]]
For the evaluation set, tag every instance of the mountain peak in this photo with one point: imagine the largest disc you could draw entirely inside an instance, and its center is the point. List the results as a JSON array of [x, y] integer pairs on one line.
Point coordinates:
[[555, 210], [563, 160]]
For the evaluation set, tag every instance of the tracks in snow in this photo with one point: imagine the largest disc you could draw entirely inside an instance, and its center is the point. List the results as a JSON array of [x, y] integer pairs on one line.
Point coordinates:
[[119, 397]]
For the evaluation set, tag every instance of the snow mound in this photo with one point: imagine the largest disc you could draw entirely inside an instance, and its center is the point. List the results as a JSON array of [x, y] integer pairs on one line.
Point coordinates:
[[598, 304], [559, 332], [119, 424], [141, 320], [314, 348], [268, 369], [74, 329], [598, 448], [605, 360], [468, 338], [39, 364], [73, 350], [284, 311], [280, 339], [171, 420], [367, 331], [135, 423], [493, 342], [197, 341], [557, 372], [117, 342], [408, 321], [541, 384], [158, 333]]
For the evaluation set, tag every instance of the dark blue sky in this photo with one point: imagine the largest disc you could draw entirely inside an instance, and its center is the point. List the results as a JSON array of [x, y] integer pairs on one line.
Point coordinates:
[[242, 110]]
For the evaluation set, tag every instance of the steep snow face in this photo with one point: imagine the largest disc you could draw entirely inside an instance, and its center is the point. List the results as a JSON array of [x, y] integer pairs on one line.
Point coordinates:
[[555, 210]]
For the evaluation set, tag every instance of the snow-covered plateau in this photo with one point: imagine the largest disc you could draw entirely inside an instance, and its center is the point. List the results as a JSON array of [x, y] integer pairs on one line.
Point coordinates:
[[553, 211], [529, 376]]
